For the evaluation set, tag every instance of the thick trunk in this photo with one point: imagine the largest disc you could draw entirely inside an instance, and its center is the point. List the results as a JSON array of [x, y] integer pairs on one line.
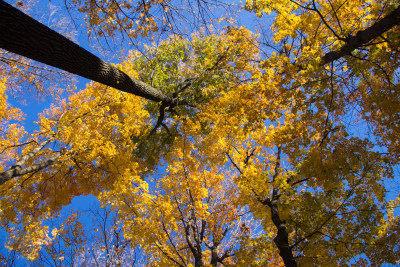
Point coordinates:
[[20, 34], [282, 239], [364, 37]]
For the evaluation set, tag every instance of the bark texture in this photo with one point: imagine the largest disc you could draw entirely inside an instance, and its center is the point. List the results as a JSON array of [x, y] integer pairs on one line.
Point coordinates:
[[21, 34]]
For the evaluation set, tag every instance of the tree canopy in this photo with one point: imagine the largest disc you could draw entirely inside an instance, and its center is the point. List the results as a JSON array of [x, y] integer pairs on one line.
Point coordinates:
[[274, 145]]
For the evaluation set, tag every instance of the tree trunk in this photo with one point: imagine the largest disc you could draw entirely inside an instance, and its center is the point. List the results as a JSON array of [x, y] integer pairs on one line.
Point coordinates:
[[20, 34], [282, 238]]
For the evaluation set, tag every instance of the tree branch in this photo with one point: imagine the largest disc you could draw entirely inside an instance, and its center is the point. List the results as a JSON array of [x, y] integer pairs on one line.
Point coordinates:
[[17, 170], [364, 37]]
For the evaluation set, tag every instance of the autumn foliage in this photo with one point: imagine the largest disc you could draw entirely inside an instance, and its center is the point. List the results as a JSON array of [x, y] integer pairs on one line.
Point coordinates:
[[282, 149]]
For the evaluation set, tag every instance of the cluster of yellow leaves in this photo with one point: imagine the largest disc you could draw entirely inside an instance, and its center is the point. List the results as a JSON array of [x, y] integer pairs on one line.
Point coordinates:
[[104, 19], [322, 21], [194, 198], [93, 132], [7, 112], [30, 239], [10, 131], [307, 30], [328, 179]]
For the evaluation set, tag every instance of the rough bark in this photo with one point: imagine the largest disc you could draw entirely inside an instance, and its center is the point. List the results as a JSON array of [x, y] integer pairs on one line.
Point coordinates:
[[364, 37], [21, 34]]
